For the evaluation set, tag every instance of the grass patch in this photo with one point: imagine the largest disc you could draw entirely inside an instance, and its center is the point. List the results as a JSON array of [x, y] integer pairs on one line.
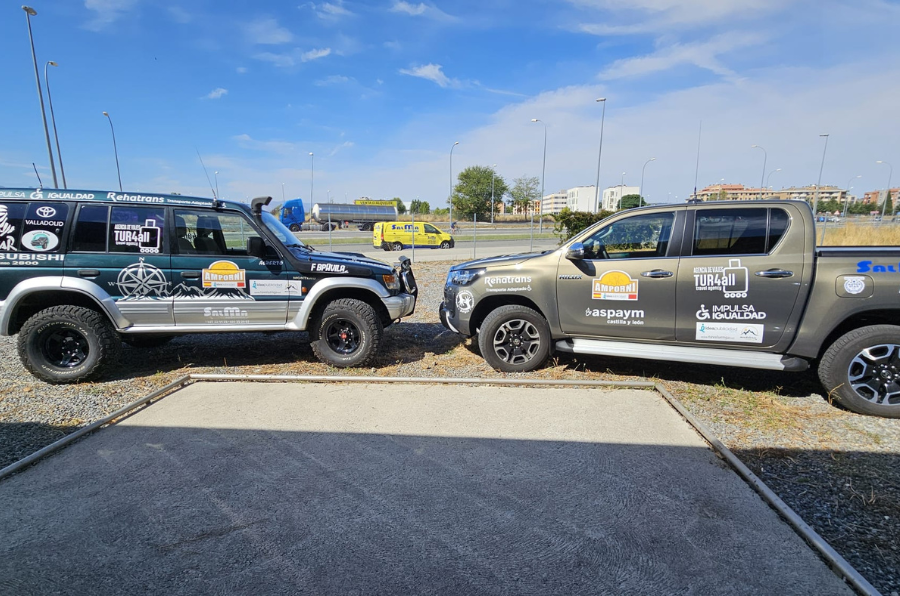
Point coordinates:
[[852, 234]]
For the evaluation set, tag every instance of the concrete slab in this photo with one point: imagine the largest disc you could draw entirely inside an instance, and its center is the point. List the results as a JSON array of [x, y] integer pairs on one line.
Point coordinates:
[[349, 489]]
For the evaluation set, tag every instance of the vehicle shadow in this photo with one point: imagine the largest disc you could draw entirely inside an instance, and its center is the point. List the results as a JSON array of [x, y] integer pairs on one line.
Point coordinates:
[[788, 384], [403, 343]]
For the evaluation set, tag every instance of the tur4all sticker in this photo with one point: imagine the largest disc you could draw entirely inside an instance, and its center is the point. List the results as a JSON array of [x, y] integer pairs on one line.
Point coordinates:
[[146, 237], [732, 280]]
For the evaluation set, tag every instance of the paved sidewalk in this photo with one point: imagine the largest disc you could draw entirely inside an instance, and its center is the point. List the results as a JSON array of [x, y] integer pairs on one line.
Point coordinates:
[[263, 488]]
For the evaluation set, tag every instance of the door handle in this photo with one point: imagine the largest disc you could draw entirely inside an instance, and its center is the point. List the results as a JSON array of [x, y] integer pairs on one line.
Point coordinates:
[[88, 272], [657, 273], [190, 274], [774, 273]]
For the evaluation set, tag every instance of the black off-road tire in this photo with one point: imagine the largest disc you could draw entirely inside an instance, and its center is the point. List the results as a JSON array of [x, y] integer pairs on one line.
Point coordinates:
[[68, 344], [880, 366], [497, 339], [348, 333], [146, 340]]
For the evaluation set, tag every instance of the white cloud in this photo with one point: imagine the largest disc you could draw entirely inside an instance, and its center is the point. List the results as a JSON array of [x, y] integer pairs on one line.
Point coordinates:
[[245, 141], [344, 145], [431, 72], [392, 45], [701, 54], [333, 10], [643, 16], [421, 10], [107, 12], [293, 58], [332, 80], [179, 15], [217, 93], [267, 31], [241, 70], [410, 9]]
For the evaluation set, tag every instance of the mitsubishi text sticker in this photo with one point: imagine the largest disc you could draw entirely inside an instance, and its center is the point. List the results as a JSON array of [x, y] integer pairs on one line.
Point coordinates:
[[224, 274], [731, 280], [614, 285]]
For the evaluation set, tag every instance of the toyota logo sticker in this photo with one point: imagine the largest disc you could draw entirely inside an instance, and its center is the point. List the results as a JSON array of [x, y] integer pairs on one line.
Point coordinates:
[[45, 211]]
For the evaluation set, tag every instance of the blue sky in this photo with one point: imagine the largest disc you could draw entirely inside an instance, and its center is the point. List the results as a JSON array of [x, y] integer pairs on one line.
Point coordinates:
[[380, 91]]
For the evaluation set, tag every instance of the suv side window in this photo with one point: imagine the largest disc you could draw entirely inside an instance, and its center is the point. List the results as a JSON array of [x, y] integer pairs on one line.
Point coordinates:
[[640, 236], [212, 233], [737, 231], [136, 229], [90, 229]]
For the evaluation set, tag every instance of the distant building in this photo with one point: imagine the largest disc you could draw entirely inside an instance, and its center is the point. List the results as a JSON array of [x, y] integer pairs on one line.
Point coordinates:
[[876, 197], [554, 203], [612, 196], [737, 192], [582, 198]]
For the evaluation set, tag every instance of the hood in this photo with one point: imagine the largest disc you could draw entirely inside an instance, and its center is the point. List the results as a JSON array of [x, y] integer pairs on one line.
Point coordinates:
[[350, 259], [500, 260]]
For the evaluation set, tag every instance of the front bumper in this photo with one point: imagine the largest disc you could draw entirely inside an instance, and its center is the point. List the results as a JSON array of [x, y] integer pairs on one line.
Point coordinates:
[[399, 306], [452, 321]]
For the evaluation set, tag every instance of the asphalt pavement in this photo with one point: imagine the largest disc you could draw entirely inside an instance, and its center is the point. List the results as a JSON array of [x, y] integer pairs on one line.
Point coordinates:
[[406, 489]]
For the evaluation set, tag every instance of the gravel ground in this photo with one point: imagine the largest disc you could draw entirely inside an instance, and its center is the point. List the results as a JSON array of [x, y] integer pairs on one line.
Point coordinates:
[[838, 470]]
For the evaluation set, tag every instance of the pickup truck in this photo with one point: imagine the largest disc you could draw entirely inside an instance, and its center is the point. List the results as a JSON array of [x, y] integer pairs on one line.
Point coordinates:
[[727, 283]]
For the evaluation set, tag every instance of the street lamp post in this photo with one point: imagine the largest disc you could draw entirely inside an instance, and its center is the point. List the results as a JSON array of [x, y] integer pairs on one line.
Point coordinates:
[[282, 192], [847, 200], [543, 170], [492, 193], [641, 187], [115, 149], [765, 158], [30, 12], [53, 120], [600, 152], [450, 198], [216, 176], [819, 183], [888, 191], [312, 174], [769, 177]]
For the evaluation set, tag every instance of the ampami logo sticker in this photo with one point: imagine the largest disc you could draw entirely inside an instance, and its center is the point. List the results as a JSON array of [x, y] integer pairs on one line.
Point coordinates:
[[615, 285], [224, 274]]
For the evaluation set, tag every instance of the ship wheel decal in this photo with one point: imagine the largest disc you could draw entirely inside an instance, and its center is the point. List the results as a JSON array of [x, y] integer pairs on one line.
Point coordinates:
[[142, 281]]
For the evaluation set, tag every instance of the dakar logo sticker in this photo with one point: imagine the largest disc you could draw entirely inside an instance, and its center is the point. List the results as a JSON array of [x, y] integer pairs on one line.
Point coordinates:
[[7, 242], [465, 301], [224, 274], [615, 285]]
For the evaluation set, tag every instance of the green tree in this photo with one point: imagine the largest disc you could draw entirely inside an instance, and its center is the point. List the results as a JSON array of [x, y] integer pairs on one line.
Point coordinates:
[[631, 201], [569, 223], [524, 192], [401, 208], [440, 211], [889, 209], [859, 208], [472, 194], [420, 207]]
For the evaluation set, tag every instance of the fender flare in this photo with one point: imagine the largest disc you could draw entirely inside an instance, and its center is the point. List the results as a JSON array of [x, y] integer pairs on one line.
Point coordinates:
[[301, 320]]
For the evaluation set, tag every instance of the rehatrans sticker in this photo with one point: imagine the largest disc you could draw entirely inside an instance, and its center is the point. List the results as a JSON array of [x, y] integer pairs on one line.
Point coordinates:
[[733, 332]]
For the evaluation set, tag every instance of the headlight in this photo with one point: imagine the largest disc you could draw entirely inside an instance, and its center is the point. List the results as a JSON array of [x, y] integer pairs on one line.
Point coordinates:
[[391, 281], [463, 277]]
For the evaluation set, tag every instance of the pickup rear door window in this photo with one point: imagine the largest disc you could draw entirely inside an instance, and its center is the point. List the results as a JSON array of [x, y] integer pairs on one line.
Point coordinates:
[[625, 285], [740, 281]]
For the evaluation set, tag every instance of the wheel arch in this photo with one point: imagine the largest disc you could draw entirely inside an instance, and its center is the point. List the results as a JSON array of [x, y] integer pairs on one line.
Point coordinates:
[[335, 292], [33, 295], [489, 303], [863, 319]]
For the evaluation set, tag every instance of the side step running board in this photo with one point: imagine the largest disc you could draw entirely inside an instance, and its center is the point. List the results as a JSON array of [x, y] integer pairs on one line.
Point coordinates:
[[721, 357]]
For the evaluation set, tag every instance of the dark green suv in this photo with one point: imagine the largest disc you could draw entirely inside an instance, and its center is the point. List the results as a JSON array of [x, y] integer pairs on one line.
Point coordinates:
[[81, 271]]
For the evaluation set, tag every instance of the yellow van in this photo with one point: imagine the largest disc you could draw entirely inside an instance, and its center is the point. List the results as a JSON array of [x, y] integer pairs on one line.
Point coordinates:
[[397, 235]]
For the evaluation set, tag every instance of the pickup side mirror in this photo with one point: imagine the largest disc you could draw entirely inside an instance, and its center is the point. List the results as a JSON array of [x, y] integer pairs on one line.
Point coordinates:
[[256, 247], [575, 252]]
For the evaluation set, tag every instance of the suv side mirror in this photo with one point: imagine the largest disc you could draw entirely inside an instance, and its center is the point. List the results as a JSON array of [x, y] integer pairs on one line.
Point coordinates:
[[256, 247], [575, 252]]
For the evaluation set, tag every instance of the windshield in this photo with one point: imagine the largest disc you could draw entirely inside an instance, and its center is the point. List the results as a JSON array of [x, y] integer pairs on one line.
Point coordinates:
[[276, 227]]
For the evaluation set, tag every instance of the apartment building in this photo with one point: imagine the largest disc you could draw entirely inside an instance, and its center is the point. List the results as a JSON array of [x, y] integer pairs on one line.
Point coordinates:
[[612, 196], [555, 202]]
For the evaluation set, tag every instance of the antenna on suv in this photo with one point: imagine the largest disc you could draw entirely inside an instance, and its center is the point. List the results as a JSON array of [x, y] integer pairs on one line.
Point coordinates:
[[40, 184]]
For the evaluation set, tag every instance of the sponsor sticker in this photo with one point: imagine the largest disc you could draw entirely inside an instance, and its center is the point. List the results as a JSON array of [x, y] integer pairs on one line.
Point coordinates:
[[732, 332], [854, 285], [224, 274], [146, 237], [40, 240], [274, 287], [329, 268], [506, 283], [870, 267], [616, 316], [729, 312], [614, 285], [732, 280], [45, 212], [465, 301], [226, 315], [7, 241]]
